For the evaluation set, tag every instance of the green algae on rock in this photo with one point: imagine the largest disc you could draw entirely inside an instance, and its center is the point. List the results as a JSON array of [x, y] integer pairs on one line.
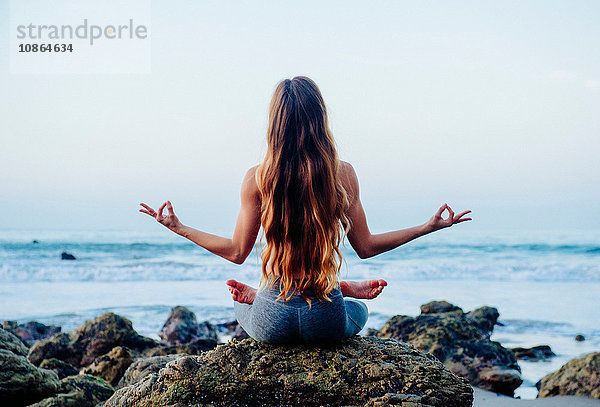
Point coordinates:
[[143, 367], [461, 341], [352, 373], [577, 377], [79, 391], [21, 383]]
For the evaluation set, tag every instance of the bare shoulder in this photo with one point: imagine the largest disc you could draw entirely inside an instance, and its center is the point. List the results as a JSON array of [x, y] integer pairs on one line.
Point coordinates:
[[348, 174], [249, 185], [349, 179]]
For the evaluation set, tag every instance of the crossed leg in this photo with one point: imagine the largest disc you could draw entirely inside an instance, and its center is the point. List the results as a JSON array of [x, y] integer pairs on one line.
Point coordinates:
[[365, 290]]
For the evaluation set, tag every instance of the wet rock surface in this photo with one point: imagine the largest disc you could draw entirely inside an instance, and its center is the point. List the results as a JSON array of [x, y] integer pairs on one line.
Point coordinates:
[[461, 341], [577, 377], [354, 372], [79, 391], [21, 383]]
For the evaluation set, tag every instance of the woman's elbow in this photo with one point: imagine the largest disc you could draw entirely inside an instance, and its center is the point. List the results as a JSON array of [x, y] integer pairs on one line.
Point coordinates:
[[364, 253], [238, 257]]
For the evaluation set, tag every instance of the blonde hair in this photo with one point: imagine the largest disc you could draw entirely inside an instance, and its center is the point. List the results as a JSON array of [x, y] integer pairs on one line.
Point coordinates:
[[303, 202]]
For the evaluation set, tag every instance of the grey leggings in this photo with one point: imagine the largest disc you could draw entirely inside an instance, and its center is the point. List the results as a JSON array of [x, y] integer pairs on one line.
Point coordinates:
[[271, 321]]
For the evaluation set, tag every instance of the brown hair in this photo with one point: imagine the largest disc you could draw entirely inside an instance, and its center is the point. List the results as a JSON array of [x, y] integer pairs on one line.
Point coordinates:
[[303, 202]]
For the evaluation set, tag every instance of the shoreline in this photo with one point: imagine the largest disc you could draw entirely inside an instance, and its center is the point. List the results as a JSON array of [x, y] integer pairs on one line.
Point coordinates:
[[150, 307], [484, 398]]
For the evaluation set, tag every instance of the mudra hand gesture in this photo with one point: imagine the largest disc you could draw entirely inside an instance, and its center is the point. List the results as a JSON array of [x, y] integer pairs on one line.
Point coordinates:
[[437, 222], [170, 220]]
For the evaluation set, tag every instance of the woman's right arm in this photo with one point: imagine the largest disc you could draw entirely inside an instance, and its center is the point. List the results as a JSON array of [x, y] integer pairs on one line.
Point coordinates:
[[368, 245]]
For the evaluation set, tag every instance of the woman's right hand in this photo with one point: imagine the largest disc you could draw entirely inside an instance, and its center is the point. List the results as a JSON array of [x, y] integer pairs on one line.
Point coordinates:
[[170, 220], [437, 222]]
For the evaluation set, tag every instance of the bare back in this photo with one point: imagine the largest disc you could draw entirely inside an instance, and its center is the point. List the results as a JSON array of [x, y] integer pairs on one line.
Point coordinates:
[[248, 223]]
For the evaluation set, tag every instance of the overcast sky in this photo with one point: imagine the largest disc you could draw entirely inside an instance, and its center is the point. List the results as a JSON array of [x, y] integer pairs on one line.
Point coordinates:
[[490, 106]]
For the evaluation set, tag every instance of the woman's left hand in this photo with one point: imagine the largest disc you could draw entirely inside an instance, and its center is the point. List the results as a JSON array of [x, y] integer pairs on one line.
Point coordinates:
[[170, 220], [437, 222]]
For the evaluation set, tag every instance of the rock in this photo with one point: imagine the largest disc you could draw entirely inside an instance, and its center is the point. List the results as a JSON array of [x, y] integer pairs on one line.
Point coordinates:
[[112, 366], [91, 339], [577, 377], [371, 332], [193, 348], [62, 369], [21, 383], [31, 331], [461, 344], [438, 307], [79, 391], [485, 317], [182, 327], [396, 399], [351, 373], [11, 343], [579, 338], [67, 256], [144, 367], [535, 353], [35, 241], [234, 329]]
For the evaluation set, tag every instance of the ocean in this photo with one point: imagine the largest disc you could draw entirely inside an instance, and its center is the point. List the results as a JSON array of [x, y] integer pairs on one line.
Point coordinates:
[[546, 285]]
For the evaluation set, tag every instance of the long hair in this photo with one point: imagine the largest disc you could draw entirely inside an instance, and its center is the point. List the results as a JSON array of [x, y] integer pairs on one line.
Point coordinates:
[[303, 202]]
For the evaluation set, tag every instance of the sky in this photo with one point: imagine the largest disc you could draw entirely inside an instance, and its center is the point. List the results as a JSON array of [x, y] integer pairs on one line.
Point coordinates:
[[488, 106]]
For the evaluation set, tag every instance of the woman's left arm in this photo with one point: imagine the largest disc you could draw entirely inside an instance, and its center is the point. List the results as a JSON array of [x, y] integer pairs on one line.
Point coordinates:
[[240, 245]]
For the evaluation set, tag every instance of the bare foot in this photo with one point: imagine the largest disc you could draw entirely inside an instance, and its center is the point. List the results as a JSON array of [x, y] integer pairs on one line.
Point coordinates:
[[366, 290], [240, 292]]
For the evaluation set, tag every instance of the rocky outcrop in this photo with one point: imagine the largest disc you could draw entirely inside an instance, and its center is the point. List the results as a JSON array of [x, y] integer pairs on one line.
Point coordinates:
[[234, 329], [10, 343], [21, 383], [62, 369], [461, 341], [182, 327], [535, 353], [143, 367], [31, 331], [112, 366], [79, 391], [577, 377], [67, 256], [91, 339], [485, 317], [193, 348], [352, 373], [437, 307]]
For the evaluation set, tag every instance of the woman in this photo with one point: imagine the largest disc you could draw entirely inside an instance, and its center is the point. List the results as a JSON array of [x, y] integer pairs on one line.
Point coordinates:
[[306, 201]]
